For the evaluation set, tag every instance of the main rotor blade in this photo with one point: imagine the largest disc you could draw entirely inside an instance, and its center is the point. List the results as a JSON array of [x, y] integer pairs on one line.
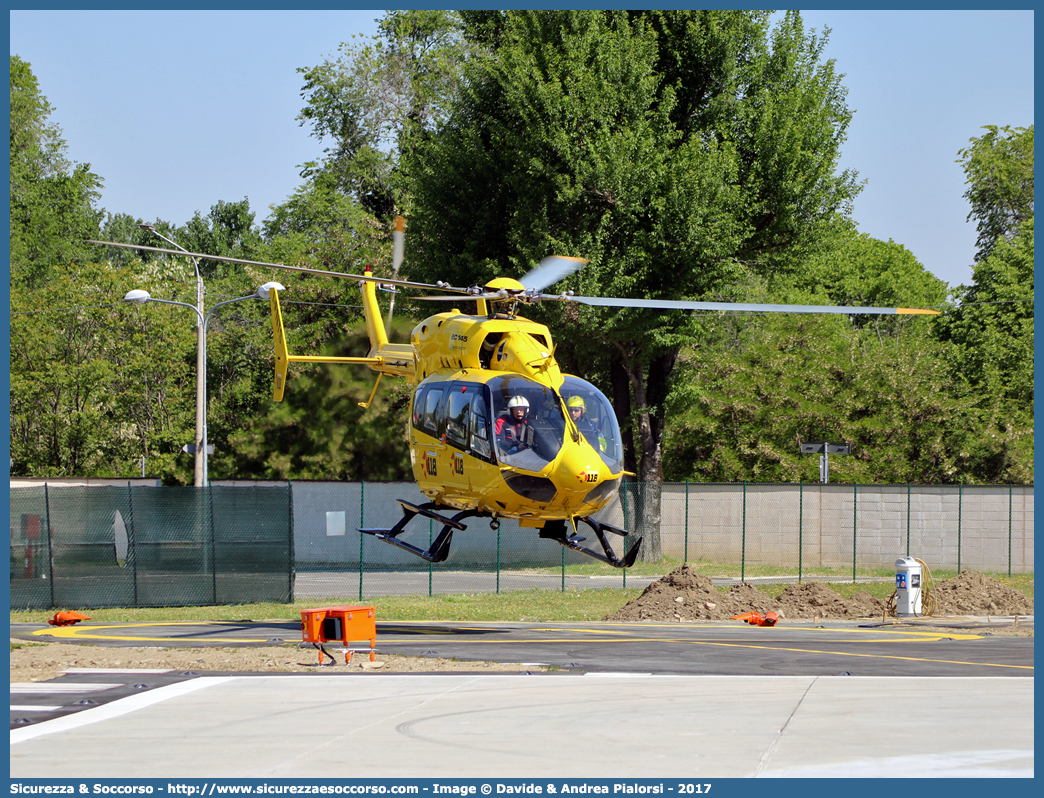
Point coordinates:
[[304, 269], [463, 295], [678, 304], [550, 270]]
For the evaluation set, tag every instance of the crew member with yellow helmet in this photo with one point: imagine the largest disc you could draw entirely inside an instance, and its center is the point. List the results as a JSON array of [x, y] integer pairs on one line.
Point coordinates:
[[578, 412]]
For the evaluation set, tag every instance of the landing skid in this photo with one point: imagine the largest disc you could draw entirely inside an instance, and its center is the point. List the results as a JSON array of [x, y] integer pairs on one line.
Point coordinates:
[[556, 531], [440, 547], [553, 530]]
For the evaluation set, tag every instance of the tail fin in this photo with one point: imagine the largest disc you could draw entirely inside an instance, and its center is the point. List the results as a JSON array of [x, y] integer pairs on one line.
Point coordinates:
[[282, 359], [372, 312]]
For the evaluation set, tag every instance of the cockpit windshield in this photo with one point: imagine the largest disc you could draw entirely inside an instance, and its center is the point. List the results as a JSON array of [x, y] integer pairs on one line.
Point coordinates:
[[528, 424], [595, 420], [529, 427]]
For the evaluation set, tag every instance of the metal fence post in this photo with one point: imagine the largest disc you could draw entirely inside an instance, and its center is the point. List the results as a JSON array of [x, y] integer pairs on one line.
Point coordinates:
[[50, 544], [362, 525], [133, 546], [431, 566], [291, 568], [743, 544], [498, 557], [686, 521], [623, 499], [960, 503], [855, 525], [213, 544], [801, 525], [1009, 529], [907, 519]]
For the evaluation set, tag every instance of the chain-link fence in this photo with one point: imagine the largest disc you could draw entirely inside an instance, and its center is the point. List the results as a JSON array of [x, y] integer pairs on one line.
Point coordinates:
[[242, 542], [142, 546], [809, 526]]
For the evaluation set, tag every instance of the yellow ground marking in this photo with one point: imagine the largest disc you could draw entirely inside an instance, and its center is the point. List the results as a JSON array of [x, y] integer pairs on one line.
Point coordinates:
[[83, 633], [924, 637], [914, 635], [871, 656]]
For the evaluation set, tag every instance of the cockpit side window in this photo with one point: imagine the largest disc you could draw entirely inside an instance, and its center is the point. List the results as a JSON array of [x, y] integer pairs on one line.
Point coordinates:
[[431, 422], [595, 419], [418, 407], [458, 416], [480, 445]]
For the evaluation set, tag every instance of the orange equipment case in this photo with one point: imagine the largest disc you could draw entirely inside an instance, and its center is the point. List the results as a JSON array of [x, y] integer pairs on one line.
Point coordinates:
[[339, 624]]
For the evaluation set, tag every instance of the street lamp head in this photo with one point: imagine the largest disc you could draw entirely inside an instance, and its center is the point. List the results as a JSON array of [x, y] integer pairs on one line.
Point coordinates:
[[148, 227], [137, 295], [266, 290]]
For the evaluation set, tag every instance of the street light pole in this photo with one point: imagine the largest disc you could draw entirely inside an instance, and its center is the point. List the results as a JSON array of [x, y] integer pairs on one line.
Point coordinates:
[[141, 297], [200, 470]]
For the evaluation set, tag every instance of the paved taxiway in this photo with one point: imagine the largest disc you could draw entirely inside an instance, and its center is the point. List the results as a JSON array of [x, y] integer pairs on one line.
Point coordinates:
[[638, 700]]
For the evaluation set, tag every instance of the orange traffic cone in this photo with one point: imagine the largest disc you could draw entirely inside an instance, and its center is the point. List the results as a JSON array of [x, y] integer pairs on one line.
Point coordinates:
[[755, 618], [68, 618]]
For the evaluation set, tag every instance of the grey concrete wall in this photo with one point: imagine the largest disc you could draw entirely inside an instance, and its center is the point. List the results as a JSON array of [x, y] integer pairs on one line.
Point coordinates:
[[814, 525]]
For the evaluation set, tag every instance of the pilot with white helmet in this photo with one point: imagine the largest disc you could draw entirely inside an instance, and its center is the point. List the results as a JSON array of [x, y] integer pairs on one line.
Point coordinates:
[[513, 431]]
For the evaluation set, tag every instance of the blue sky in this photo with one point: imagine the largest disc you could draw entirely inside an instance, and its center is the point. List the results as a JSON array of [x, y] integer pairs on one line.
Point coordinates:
[[179, 109]]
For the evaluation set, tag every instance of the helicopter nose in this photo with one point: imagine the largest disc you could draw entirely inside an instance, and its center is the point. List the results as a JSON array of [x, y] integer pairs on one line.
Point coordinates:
[[579, 469]]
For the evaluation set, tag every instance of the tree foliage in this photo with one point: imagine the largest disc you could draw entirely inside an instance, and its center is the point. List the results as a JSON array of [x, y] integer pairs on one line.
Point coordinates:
[[378, 99], [319, 431], [52, 199], [739, 413], [991, 346], [999, 168], [94, 385]]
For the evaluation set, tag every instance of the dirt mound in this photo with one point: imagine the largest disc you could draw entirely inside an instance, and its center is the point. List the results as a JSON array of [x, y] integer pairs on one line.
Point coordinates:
[[971, 593], [815, 599], [684, 595]]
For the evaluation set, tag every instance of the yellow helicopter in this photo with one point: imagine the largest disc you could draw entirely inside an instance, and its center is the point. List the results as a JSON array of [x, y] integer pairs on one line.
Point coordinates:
[[496, 430]]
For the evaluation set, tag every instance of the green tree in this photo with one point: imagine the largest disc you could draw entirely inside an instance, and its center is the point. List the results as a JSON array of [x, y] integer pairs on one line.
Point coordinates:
[[52, 199], [999, 169], [990, 332], [378, 99], [740, 412], [227, 230], [990, 329], [597, 134], [126, 229], [96, 385], [319, 431], [321, 227]]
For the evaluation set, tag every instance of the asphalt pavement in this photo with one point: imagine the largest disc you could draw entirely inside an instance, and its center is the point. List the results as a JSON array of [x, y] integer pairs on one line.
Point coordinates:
[[629, 700]]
